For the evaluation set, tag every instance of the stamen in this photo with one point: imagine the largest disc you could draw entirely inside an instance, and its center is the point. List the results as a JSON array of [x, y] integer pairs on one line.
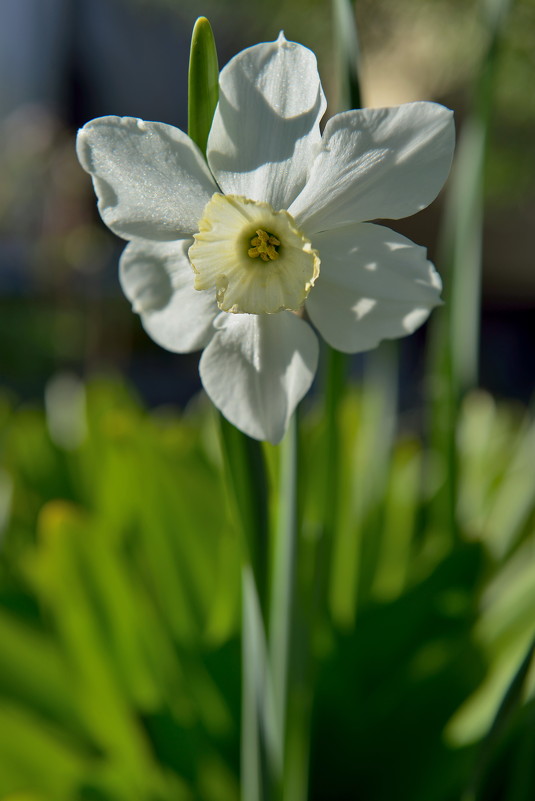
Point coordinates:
[[264, 245]]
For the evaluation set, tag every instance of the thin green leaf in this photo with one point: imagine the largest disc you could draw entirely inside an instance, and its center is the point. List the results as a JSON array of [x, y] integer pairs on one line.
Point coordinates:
[[454, 342], [510, 703], [203, 83], [346, 48]]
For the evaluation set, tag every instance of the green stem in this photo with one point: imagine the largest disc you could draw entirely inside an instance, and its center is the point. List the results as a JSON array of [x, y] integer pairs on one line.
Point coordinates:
[[261, 755], [250, 731], [261, 750], [283, 599], [295, 614], [291, 630], [336, 373], [247, 480]]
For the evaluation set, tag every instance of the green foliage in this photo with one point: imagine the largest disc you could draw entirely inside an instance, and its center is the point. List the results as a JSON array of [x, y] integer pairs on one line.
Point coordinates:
[[120, 591], [120, 564], [119, 607]]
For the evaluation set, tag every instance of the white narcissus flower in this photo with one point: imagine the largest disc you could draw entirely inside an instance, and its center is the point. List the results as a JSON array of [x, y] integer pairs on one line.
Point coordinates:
[[226, 255]]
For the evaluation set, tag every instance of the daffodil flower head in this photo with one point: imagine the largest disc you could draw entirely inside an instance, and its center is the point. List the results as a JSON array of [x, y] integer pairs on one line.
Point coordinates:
[[249, 253]]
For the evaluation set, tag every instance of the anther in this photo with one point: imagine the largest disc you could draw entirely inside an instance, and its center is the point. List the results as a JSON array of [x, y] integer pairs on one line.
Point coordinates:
[[264, 246]]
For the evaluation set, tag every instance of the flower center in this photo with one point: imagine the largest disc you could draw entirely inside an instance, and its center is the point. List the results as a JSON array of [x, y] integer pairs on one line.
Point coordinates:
[[256, 258], [264, 245]]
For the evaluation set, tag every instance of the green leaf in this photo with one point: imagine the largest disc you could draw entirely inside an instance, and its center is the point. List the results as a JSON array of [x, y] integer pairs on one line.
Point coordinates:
[[347, 50], [36, 756], [510, 703], [203, 83]]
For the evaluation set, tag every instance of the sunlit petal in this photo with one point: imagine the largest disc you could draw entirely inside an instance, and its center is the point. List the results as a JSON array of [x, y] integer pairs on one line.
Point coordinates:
[[377, 163], [150, 179]]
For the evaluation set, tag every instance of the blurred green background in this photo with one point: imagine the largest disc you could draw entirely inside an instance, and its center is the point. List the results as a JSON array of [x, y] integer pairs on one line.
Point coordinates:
[[119, 562]]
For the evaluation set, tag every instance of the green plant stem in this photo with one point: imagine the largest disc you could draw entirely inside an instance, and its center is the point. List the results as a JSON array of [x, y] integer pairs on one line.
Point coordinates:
[[292, 626], [298, 608], [251, 789], [247, 480], [261, 757], [285, 644], [282, 607], [336, 372]]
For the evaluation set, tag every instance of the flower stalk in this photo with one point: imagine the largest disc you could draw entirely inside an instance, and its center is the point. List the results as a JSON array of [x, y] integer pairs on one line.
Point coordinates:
[[247, 481], [283, 587]]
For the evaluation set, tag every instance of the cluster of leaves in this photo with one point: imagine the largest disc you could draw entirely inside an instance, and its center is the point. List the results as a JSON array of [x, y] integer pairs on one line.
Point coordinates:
[[432, 622], [119, 607]]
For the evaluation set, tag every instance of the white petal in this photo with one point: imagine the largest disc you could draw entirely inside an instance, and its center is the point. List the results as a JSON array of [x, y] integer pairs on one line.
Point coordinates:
[[157, 278], [151, 179], [265, 131], [374, 284], [257, 368], [377, 163]]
